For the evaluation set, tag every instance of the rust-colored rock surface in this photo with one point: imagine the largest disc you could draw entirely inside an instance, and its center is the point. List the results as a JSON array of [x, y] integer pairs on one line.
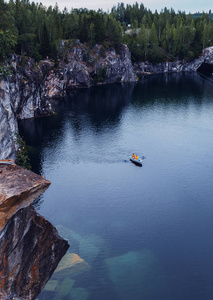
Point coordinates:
[[18, 188], [30, 250]]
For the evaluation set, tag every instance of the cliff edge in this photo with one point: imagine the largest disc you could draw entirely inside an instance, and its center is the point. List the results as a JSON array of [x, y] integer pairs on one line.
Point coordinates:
[[18, 188], [30, 247]]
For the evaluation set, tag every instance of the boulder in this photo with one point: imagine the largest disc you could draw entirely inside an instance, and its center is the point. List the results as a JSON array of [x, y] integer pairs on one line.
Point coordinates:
[[18, 188], [70, 266], [30, 250], [88, 247], [64, 288], [79, 294], [136, 275], [51, 285]]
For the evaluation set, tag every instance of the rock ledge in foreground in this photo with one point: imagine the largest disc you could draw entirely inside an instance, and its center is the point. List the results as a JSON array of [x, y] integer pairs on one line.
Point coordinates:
[[18, 189]]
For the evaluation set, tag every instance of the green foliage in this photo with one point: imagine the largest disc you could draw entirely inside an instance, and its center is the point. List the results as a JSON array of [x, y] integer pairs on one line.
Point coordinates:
[[35, 30], [164, 36], [22, 158], [5, 71], [7, 43], [45, 46], [101, 75]]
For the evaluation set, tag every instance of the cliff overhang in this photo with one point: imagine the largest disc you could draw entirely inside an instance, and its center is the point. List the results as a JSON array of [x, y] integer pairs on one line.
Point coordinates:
[[30, 247]]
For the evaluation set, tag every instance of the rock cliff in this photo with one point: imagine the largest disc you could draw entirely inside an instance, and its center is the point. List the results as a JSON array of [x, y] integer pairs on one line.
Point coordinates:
[[175, 66], [8, 123], [30, 247], [22, 96], [27, 91], [18, 189], [83, 67]]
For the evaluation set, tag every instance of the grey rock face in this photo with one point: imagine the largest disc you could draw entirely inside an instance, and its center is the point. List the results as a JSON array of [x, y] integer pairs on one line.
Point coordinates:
[[83, 65], [77, 75], [176, 66], [27, 88], [8, 123], [26, 94], [119, 67], [22, 96]]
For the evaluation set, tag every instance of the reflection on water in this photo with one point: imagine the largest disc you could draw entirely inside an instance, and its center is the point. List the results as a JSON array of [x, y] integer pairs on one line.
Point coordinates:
[[142, 233]]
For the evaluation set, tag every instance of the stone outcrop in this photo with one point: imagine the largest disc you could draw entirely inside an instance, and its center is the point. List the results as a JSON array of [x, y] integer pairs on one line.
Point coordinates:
[[18, 189], [30, 247], [71, 265], [119, 69], [175, 66], [22, 96], [84, 68], [27, 91], [30, 250], [62, 282], [8, 123], [26, 87], [136, 275]]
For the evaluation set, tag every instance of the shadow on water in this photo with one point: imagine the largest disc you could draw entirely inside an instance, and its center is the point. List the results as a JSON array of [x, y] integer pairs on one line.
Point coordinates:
[[96, 107], [101, 104], [177, 88]]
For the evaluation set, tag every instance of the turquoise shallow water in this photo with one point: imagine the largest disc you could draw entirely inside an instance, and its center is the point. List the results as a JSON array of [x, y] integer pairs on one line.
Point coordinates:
[[146, 233]]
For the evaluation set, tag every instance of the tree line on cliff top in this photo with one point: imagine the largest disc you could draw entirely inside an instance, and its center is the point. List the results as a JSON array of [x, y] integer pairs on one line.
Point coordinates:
[[33, 30]]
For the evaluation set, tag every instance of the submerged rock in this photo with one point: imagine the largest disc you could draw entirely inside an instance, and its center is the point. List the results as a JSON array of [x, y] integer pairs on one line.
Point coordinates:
[[72, 237], [88, 247], [70, 266], [136, 275], [79, 294], [64, 288], [91, 247], [51, 285]]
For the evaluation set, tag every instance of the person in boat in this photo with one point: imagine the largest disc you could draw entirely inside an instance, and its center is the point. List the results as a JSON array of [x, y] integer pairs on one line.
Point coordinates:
[[136, 157], [133, 155]]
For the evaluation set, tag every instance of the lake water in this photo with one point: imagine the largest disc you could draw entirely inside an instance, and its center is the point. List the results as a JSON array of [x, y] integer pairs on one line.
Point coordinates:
[[146, 233]]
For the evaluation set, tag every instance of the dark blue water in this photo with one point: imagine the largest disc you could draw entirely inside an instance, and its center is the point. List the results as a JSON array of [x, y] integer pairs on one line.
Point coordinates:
[[145, 232]]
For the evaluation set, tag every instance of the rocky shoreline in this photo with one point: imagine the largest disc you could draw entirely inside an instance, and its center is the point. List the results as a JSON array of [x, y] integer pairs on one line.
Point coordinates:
[[206, 58], [27, 91]]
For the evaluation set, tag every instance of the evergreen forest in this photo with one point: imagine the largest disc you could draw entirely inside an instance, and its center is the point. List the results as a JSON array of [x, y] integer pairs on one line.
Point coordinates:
[[31, 29]]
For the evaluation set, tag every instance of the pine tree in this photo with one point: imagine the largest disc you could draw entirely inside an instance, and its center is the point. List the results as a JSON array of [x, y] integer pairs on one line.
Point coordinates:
[[45, 47]]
